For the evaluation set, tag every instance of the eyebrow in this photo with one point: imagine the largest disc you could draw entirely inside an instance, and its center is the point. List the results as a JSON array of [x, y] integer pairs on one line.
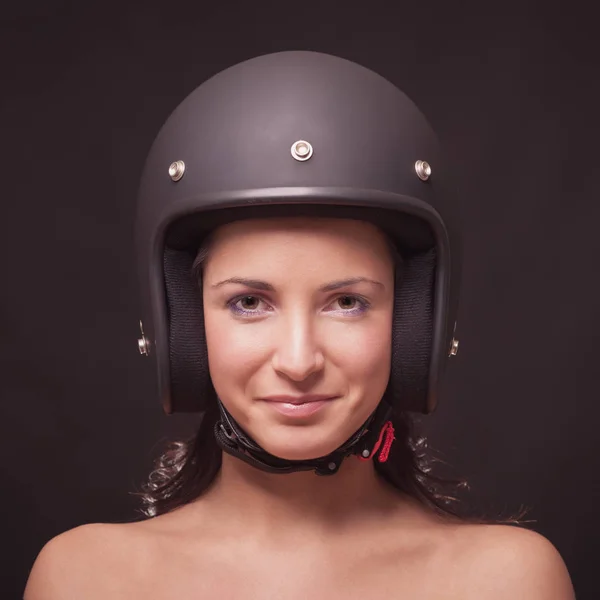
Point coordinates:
[[267, 287]]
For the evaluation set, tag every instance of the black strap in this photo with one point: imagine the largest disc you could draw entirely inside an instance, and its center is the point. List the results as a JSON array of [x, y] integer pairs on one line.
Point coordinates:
[[233, 440]]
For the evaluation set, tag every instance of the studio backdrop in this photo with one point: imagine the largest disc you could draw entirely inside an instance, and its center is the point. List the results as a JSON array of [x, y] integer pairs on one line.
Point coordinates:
[[514, 100]]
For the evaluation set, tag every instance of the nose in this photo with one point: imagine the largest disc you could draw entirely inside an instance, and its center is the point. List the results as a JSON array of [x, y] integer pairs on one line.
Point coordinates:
[[298, 355]]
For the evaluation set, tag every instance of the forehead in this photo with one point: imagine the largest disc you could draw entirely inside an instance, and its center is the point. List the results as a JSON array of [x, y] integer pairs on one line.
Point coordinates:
[[300, 238], [298, 228]]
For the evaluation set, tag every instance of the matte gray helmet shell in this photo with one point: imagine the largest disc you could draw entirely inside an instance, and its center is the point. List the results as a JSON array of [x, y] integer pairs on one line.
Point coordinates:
[[373, 156]]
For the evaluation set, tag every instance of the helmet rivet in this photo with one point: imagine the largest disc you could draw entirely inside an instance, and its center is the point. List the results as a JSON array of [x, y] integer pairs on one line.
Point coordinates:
[[423, 170], [144, 346], [366, 453], [176, 170], [454, 348], [301, 150], [143, 343], [332, 466]]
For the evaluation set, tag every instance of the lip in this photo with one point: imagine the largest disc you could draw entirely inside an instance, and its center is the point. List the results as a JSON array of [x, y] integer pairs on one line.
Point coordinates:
[[297, 400], [305, 409], [298, 406]]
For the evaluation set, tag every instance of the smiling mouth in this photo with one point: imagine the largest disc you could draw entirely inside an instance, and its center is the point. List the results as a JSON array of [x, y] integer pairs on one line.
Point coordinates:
[[300, 407], [299, 400]]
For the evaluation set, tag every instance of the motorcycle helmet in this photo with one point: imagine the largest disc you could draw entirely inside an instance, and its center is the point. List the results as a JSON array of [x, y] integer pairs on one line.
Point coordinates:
[[298, 133]]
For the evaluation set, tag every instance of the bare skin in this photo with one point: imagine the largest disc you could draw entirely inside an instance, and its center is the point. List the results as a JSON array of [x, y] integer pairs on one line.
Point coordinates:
[[405, 553], [255, 535]]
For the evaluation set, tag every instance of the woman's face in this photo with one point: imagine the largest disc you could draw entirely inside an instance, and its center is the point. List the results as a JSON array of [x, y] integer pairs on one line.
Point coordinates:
[[283, 317]]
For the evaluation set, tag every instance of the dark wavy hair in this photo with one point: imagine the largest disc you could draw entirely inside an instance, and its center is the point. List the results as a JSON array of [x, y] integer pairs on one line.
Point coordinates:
[[187, 468]]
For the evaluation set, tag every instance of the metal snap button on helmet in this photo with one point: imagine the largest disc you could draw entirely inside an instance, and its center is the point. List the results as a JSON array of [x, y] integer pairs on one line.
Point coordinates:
[[423, 170], [176, 170], [454, 348], [143, 343], [302, 150]]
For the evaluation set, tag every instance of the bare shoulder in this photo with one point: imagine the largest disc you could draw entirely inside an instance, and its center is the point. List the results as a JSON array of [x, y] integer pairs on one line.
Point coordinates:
[[84, 562], [506, 562]]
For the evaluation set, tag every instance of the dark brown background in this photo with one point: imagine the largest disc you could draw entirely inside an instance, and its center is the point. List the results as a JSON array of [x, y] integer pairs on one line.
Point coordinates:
[[512, 93]]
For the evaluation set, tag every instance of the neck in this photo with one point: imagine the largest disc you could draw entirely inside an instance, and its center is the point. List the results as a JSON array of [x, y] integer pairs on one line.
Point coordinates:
[[275, 505]]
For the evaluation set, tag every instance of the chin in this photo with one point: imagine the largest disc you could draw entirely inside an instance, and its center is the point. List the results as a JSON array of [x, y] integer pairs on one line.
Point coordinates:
[[296, 448], [299, 453]]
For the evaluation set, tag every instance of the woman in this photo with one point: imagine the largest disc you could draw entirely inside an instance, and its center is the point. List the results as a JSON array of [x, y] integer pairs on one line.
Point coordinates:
[[299, 260]]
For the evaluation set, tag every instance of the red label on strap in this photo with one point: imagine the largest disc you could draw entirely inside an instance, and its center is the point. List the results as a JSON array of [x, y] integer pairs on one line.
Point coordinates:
[[387, 431], [388, 428]]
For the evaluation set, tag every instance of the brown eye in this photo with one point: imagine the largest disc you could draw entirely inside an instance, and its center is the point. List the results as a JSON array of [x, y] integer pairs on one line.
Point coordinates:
[[249, 302], [247, 306], [347, 301]]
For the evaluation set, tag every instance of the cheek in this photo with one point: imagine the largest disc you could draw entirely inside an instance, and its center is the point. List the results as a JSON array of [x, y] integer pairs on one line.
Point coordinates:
[[364, 355], [234, 351]]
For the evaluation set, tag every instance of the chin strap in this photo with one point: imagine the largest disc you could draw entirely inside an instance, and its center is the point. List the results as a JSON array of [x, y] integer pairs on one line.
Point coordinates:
[[365, 443]]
